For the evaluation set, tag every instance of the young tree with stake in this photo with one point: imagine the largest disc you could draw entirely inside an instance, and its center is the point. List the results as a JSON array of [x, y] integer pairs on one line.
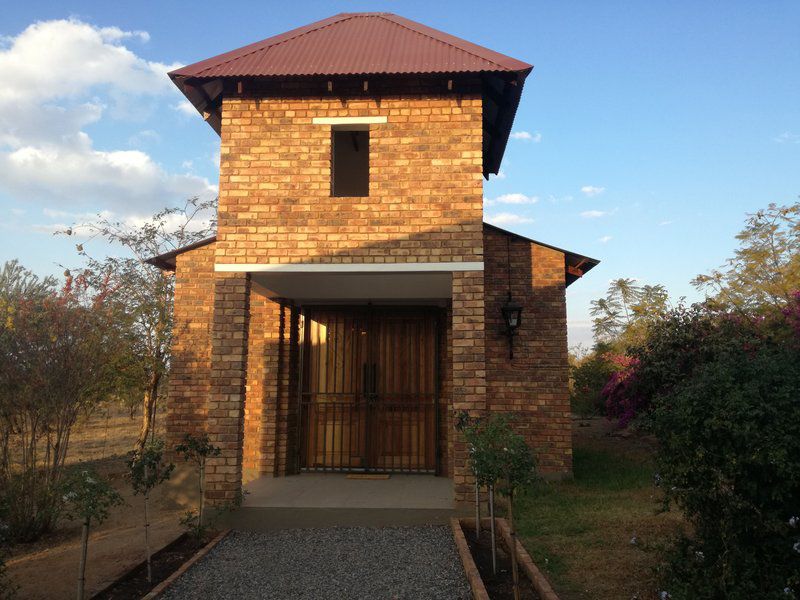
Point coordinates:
[[147, 470], [197, 449], [88, 498]]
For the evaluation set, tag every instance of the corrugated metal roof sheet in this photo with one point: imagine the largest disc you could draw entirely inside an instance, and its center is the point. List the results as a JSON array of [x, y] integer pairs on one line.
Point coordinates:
[[356, 44]]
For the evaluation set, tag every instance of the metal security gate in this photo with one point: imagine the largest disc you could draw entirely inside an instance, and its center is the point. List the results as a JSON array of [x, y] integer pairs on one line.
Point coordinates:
[[369, 390]]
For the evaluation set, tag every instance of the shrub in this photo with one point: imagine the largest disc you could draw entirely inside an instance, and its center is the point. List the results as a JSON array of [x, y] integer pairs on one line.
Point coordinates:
[[722, 395]]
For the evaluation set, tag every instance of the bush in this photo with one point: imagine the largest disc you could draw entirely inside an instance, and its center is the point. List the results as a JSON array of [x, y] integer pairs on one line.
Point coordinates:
[[722, 395], [589, 376], [730, 459]]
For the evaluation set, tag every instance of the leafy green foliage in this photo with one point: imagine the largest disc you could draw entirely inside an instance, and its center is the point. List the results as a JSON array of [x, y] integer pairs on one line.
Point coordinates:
[[729, 457], [722, 395], [765, 269], [499, 457], [8, 589], [88, 497], [589, 375], [626, 311], [148, 469], [197, 449], [62, 352], [144, 292]]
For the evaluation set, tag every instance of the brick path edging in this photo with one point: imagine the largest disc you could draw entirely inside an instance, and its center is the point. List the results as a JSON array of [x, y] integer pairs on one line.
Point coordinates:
[[470, 568], [162, 587], [537, 579]]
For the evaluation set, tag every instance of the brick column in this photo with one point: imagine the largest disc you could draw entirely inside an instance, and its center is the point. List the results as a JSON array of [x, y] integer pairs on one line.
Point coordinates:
[[228, 377], [469, 367]]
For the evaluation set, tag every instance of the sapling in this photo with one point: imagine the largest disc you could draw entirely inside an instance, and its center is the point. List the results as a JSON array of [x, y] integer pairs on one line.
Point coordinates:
[[197, 449], [87, 497], [147, 470], [502, 462]]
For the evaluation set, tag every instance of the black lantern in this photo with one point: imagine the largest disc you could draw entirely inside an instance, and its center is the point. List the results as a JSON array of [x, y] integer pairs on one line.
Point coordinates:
[[512, 315]]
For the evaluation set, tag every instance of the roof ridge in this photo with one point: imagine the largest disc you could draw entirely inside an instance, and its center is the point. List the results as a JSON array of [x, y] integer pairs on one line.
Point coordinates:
[[436, 39]]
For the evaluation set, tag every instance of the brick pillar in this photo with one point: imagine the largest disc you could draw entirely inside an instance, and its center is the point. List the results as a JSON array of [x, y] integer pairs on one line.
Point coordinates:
[[228, 377], [469, 367]]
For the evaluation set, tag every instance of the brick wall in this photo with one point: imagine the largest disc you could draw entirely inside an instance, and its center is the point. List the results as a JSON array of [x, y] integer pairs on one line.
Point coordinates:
[[425, 204], [425, 200], [534, 385], [190, 368]]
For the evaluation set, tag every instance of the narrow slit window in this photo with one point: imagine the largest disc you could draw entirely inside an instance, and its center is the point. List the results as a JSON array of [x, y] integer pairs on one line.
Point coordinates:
[[350, 162]]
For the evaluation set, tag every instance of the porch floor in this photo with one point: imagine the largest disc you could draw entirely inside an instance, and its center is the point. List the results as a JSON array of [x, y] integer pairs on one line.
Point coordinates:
[[336, 491], [315, 500]]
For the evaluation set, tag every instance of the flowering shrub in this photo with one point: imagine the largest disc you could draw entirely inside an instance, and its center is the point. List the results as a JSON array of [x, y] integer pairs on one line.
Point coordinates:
[[721, 393]]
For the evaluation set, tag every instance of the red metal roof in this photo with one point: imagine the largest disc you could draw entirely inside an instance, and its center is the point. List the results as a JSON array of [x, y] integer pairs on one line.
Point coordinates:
[[356, 44]]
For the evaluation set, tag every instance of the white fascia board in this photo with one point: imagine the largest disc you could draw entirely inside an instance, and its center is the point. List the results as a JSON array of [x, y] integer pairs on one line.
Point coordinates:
[[421, 267], [348, 120]]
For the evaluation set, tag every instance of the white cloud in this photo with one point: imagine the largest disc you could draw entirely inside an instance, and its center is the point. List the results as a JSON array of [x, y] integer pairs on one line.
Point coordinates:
[[527, 136], [593, 214], [506, 218], [500, 175], [665, 223], [605, 239], [787, 137], [146, 136], [185, 107], [515, 198], [60, 76], [592, 190]]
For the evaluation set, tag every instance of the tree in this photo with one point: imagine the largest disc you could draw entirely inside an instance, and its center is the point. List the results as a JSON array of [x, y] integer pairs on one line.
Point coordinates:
[[62, 352], [197, 449], [147, 470], [144, 290], [502, 461], [765, 269], [88, 498], [627, 309]]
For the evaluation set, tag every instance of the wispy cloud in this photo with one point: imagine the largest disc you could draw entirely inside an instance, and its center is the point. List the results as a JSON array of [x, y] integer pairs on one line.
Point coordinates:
[[507, 218], [514, 198], [665, 223], [185, 107], [527, 136], [592, 190], [500, 175], [593, 214], [605, 239], [787, 137]]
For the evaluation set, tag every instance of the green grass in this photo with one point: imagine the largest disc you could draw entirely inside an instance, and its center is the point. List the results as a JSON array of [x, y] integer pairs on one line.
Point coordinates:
[[579, 532]]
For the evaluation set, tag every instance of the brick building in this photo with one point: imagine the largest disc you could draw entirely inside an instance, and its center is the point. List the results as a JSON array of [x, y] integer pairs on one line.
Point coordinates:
[[352, 300]]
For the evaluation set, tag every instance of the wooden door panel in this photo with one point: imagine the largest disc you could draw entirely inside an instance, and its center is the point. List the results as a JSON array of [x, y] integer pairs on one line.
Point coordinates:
[[368, 396]]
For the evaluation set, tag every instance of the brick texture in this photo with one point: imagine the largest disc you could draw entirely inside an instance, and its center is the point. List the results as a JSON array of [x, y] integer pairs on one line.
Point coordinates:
[[190, 367], [236, 352], [534, 385]]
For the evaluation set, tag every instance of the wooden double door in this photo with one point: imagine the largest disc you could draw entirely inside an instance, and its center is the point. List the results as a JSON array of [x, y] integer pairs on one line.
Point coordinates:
[[369, 389]]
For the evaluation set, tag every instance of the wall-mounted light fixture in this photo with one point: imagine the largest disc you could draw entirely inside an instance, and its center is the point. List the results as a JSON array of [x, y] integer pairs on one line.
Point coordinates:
[[512, 311]]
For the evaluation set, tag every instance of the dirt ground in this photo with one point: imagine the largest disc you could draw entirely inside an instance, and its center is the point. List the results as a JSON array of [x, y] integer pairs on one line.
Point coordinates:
[[48, 569]]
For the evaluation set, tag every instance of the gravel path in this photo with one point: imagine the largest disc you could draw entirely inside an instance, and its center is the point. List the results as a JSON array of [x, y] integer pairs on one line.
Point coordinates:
[[320, 564]]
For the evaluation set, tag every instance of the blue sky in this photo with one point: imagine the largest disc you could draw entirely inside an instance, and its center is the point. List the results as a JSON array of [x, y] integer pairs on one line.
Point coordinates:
[[652, 127]]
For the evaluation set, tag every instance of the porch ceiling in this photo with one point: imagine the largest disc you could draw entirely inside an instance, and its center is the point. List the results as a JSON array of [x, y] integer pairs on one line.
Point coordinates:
[[355, 286]]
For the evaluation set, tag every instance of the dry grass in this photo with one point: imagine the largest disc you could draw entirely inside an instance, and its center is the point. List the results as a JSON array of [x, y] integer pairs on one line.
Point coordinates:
[[580, 532]]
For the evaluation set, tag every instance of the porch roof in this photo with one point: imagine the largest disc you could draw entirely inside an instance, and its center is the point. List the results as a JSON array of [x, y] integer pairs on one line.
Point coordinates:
[[576, 265]]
